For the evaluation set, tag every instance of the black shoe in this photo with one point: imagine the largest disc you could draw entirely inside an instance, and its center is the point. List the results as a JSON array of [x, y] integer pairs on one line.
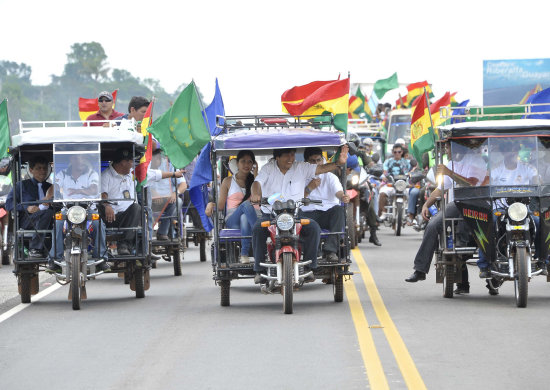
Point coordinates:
[[162, 237], [123, 250], [484, 273], [257, 278], [310, 278], [492, 287], [104, 266], [462, 289], [52, 268], [373, 238], [332, 257], [416, 276], [36, 253]]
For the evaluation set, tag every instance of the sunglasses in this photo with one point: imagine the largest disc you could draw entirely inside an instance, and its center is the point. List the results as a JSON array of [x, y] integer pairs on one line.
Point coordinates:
[[104, 100], [397, 151]]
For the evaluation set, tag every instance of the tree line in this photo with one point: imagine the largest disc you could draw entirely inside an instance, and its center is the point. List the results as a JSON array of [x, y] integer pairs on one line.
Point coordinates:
[[84, 75]]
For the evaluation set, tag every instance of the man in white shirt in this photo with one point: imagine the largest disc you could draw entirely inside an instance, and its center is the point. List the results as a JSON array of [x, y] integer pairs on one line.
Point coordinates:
[[79, 181], [162, 193], [470, 169], [283, 174], [117, 184], [329, 215]]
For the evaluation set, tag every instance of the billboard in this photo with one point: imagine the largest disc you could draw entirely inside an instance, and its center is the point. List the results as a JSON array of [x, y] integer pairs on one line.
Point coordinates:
[[510, 81]]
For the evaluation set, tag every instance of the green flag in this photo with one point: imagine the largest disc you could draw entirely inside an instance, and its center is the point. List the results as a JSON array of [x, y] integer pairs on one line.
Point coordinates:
[[4, 129], [181, 130], [385, 85]]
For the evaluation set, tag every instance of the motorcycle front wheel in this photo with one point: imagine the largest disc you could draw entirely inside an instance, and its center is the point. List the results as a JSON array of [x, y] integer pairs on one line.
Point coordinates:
[[398, 219], [287, 288], [521, 260], [75, 281]]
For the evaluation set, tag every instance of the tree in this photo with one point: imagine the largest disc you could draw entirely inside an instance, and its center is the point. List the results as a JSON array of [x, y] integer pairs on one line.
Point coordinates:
[[21, 71], [87, 60]]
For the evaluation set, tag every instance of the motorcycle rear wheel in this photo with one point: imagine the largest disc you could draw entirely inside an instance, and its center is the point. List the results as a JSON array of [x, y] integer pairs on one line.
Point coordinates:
[[224, 292], [350, 222], [521, 260], [449, 281], [288, 283]]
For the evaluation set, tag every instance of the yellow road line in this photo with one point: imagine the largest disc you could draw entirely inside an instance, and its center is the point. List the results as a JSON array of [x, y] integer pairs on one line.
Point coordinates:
[[375, 372], [404, 360]]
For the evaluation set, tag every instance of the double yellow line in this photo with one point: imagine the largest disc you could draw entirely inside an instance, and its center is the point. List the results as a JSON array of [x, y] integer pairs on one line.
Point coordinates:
[[375, 372]]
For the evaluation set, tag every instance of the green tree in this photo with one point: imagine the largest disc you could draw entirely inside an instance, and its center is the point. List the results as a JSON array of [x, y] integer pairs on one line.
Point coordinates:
[[87, 60]]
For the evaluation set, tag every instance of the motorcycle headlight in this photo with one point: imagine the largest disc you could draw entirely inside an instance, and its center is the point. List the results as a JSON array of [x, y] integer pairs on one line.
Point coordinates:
[[400, 185], [517, 212], [285, 221], [76, 214], [354, 180]]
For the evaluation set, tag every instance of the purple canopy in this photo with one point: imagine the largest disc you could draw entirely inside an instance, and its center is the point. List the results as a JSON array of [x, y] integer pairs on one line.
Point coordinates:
[[278, 138]]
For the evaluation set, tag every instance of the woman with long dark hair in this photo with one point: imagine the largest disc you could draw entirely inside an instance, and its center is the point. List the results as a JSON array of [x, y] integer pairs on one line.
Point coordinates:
[[234, 197]]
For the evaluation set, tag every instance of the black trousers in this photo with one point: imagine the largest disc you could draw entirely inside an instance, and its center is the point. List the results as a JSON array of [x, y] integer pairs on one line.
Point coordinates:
[[309, 238], [41, 220], [131, 217], [332, 220]]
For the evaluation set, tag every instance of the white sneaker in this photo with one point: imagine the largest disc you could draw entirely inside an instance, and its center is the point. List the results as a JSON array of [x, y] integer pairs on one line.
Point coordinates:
[[244, 260]]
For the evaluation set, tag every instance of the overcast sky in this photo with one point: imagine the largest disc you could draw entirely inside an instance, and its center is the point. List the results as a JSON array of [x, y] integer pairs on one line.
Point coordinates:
[[258, 49]]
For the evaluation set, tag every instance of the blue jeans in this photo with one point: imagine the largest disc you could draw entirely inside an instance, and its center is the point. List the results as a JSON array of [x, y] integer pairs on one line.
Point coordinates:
[[482, 262], [99, 251], [413, 200], [244, 217]]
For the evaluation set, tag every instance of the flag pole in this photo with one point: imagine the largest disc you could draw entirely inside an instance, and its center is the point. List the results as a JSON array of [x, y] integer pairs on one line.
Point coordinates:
[[202, 107]]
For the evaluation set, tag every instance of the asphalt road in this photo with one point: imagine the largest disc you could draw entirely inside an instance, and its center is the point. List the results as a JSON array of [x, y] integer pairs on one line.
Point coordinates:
[[386, 333]]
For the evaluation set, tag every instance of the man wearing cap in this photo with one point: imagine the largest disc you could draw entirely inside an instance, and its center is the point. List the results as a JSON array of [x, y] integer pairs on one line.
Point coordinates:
[[329, 215], [283, 174], [106, 110], [117, 183]]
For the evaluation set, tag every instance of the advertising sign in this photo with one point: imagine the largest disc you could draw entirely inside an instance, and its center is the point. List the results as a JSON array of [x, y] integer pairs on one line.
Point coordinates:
[[512, 81]]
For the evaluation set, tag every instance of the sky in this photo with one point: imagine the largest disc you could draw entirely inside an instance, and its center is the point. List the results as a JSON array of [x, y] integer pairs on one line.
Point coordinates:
[[259, 49]]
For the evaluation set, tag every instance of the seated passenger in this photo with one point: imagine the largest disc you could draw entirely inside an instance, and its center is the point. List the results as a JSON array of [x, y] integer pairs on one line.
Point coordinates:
[[284, 175], [38, 216], [329, 215], [234, 198], [163, 194], [469, 169], [117, 183], [78, 181], [509, 172]]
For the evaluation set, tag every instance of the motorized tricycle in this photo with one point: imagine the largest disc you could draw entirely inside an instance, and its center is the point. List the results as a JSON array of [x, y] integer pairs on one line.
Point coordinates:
[[76, 232], [286, 270], [501, 188]]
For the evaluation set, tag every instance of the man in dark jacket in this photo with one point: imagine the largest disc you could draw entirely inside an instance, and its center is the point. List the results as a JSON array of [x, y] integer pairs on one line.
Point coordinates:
[[34, 216]]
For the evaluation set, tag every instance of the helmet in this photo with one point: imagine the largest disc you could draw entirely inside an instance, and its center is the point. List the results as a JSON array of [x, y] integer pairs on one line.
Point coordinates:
[[400, 141], [352, 137], [368, 141]]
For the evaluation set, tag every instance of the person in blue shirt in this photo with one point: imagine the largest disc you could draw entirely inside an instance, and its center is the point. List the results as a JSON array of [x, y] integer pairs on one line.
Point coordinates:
[[34, 216]]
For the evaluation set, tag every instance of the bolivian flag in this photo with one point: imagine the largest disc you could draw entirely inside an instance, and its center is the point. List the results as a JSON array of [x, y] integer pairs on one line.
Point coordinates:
[[435, 108], [87, 107], [422, 138], [319, 97], [141, 168], [417, 89]]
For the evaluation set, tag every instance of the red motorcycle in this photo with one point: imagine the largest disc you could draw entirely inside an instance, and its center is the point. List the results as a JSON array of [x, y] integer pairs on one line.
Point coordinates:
[[285, 271]]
